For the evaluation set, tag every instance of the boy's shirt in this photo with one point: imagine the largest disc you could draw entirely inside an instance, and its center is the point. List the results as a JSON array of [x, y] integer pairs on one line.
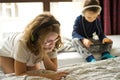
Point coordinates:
[[84, 29]]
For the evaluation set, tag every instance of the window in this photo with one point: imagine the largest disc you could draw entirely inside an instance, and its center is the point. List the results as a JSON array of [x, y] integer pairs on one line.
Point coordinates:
[[19, 15], [14, 16]]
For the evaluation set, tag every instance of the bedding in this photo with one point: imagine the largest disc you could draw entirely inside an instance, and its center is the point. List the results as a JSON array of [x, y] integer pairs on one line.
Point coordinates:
[[67, 47], [79, 69], [108, 69], [101, 70]]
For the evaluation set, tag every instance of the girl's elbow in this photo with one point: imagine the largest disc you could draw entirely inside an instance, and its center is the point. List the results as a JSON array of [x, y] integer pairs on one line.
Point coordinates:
[[20, 74], [16, 74], [52, 69], [55, 69]]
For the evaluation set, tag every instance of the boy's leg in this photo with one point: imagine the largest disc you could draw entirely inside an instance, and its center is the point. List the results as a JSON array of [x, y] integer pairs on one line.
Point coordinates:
[[105, 49], [7, 64], [106, 52], [107, 55], [82, 50]]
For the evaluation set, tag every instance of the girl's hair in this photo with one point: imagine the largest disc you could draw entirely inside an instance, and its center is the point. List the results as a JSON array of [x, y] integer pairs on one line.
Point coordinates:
[[36, 32], [91, 5]]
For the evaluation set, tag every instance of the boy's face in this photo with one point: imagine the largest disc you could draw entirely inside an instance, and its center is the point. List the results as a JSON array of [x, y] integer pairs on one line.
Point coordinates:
[[90, 16]]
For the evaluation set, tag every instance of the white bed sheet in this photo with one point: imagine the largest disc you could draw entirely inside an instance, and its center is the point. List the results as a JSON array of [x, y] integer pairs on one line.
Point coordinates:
[[101, 70]]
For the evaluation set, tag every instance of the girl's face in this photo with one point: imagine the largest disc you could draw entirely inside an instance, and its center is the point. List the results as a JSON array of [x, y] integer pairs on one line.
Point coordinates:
[[90, 16], [50, 41]]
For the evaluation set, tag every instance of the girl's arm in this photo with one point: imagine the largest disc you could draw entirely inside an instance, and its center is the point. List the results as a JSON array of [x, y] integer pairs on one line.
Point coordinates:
[[21, 69], [36, 67], [50, 63]]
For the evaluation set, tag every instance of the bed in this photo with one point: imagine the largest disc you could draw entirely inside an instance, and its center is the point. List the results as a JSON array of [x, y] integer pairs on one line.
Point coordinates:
[[69, 60], [100, 70]]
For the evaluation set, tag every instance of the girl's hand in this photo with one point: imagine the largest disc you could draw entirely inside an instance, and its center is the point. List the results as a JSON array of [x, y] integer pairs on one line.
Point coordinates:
[[87, 42], [58, 75], [106, 40]]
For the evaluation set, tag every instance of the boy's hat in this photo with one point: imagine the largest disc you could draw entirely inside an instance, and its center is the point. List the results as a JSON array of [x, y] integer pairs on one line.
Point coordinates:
[[90, 6]]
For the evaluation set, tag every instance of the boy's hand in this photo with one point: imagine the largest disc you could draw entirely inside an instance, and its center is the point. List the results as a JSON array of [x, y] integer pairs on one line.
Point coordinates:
[[106, 40], [87, 42]]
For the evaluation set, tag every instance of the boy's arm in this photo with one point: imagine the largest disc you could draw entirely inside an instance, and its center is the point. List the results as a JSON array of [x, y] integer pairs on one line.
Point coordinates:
[[76, 29]]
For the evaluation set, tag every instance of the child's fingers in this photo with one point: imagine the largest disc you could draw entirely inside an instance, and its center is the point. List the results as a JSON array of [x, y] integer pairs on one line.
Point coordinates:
[[106, 40], [65, 72]]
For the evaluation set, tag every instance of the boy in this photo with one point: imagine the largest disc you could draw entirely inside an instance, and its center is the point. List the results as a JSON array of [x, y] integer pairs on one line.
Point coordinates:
[[87, 34]]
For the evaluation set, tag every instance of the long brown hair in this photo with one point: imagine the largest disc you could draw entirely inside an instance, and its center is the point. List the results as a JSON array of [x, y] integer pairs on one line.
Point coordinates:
[[35, 44]]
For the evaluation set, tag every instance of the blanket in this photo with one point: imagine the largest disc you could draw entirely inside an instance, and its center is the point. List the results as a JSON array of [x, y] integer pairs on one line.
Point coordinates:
[[101, 70], [67, 45], [108, 69]]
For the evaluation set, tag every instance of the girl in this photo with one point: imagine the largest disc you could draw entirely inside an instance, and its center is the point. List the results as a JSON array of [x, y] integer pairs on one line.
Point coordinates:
[[22, 52], [87, 34]]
